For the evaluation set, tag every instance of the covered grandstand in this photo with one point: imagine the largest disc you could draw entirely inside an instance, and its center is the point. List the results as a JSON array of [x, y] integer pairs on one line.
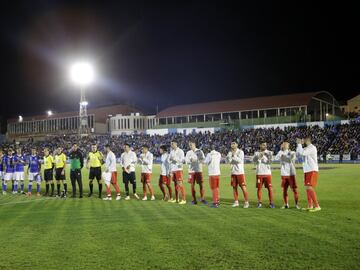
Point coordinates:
[[303, 107]]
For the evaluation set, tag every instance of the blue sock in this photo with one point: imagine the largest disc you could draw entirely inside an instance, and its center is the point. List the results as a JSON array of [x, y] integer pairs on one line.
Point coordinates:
[[22, 186], [15, 186], [37, 188], [4, 186], [30, 187]]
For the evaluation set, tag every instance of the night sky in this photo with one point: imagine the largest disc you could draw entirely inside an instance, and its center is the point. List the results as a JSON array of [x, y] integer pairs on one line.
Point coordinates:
[[150, 53]]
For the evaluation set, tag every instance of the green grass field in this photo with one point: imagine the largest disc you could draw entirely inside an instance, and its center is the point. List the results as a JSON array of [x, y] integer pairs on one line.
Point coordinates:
[[50, 233]]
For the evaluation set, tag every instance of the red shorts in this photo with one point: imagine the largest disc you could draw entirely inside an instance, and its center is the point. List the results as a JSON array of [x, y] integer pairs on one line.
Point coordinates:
[[214, 181], [164, 179], [288, 181], [310, 178], [145, 177], [177, 176], [113, 177], [238, 179], [263, 180], [195, 177]]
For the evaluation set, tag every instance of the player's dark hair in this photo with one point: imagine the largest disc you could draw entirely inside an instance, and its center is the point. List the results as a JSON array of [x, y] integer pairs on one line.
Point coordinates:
[[145, 146], [126, 144], [107, 145], [173, 141], [163, 147]]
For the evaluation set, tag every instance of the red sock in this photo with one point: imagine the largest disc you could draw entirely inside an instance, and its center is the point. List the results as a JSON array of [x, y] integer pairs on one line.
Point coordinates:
[[193, 193], [270, 192], [313, 197], [170, 191], [161, 186], [236, 194], [183, 193], [285, 196], [116, 188], [217, 195], [108, 191], [259, 195], [309, 198], [296, 196], [176, 192], [202, 192], [213, 191], [246, 194]]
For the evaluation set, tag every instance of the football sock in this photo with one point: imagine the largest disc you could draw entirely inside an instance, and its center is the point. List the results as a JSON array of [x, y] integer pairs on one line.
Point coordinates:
[[202, 192], [246, 195], [193, 192], [183, 193], [236, 194], [100, 188], [65, 188], [15, 186], [30, 187], [37, 187], [259, 195], [108, 191], [47, 188], [313, 197], [52, 188], [309, 198], [91, 186], [285, 196], [58, 189], [22, 186], [161, 186], [116, 186], [4, 186], [296, 196]]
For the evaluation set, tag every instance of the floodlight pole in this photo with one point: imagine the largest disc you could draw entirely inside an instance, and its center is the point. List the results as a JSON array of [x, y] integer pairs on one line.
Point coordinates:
[[83, 117]]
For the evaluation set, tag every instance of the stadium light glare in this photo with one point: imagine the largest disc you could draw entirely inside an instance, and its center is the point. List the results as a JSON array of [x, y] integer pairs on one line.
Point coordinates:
[[84, 103], [82, 73], [49, 113], [20, 118], [327, 114]]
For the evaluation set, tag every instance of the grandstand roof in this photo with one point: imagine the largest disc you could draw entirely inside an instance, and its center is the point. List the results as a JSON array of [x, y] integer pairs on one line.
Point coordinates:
[[101, 113], [236, 105]]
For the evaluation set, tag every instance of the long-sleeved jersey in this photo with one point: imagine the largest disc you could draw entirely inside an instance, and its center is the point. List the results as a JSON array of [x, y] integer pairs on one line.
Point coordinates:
[[165, 165], [9, 164], [146, 161], [128, 161], [309, 155], [287, 162], [262, 161], [213, 161], [176, 159], [20, 161], [34, 164], [110, 162], [195, 159], [236, 160]]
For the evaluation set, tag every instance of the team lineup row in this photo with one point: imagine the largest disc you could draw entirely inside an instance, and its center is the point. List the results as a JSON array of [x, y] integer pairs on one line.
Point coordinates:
[[12, 168]]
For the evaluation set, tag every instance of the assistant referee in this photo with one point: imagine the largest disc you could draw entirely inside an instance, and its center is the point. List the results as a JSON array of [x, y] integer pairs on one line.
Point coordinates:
[[76, 164], [94, 161]]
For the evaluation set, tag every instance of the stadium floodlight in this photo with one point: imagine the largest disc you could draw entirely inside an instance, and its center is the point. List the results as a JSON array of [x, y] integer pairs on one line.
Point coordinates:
[[82, 73], [327, 114], [20, 118], [49, 113]]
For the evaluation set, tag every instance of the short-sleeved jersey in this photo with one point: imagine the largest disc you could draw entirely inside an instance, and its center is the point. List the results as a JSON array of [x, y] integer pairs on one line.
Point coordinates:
[[9, 164], [60, 160], [95, 159], [20, 161], [34, 164], [48, 162]]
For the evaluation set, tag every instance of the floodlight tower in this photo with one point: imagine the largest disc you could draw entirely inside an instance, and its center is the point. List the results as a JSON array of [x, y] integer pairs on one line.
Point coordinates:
[[82, 74]]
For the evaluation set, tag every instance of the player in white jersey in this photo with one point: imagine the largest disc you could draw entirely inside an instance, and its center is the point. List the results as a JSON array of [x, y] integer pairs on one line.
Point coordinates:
[[194, 158], [311, 169], [146, 161], [128, 161], [176, 159], [288, 172], [213, 160], [236, 159], [110, 174], [262, 160], [165, 177]]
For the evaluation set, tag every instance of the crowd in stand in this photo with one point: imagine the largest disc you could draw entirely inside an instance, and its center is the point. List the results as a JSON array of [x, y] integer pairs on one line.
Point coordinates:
[[337, 139]]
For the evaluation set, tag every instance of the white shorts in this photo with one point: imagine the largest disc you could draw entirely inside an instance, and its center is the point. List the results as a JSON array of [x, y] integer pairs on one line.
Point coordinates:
[[19, 176], [107, 177], [9, 176]]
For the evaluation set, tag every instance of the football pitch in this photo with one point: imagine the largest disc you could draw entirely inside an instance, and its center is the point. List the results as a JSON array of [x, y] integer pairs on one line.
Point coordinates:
[[50, 233]]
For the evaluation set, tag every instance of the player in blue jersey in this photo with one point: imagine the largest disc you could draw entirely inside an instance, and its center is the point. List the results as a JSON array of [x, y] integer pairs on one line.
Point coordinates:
[[34, 172], [19, 176], [9, 169], [2, 168]]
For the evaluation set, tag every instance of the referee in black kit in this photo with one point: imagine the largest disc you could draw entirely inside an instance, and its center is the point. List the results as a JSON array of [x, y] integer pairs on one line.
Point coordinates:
[[76, 164]]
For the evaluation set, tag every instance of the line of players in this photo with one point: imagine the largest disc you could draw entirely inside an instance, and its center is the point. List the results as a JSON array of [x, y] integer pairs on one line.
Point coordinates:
[[12, 169]]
